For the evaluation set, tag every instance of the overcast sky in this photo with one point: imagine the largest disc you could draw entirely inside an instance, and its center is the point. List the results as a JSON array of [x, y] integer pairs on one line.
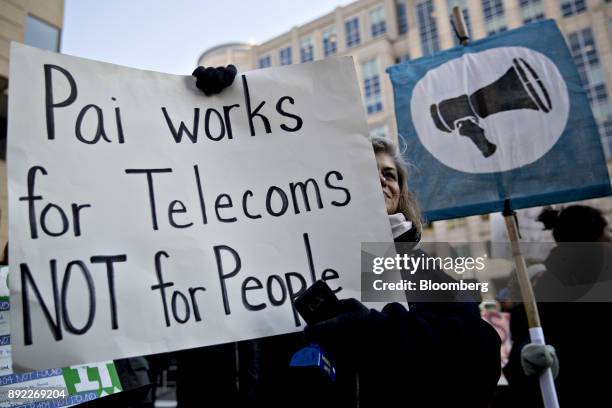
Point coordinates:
[[169, 36]]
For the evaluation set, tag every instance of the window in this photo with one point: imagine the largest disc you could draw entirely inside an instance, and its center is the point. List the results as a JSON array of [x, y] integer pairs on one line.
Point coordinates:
[[532, 10], [378, 24], [265, 61], [371, 85], [402, 18], [352, 32], [330, 41], [456, 224], [495, 19], [40, 34], [402, 58], [605, 130], [599, 93], [380, 131], [285, 56], [428, 31], [306, 53], [571, 7], [462, 4], [584, 51]]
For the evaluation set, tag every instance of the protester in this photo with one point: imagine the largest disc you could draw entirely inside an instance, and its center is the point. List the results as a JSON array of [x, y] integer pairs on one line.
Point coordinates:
[[511, 294], [435, 354], [432, 355], [577, 346]]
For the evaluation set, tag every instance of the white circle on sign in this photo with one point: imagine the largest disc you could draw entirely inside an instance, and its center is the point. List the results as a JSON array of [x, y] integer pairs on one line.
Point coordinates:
[[491, 111]]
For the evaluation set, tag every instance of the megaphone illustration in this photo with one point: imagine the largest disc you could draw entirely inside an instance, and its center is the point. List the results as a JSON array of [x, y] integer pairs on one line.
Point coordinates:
[[519, 88]]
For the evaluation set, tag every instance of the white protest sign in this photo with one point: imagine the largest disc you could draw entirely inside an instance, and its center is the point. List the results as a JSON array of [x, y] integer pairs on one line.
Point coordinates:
[[146, 217]]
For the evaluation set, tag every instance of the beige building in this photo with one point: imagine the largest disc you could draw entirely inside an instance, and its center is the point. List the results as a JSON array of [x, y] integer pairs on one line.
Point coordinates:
[[33, 22], [380, 33]]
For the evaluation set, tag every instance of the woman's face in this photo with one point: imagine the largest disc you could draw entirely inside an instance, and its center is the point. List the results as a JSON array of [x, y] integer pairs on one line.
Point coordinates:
[[387, 172]]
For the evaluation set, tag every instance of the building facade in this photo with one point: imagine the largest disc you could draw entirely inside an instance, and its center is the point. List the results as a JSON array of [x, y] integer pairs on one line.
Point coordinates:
[[380, 33], [33, 22]]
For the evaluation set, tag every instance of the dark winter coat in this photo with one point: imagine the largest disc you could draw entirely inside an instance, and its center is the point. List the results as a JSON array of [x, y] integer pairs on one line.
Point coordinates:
[[438, 354], [577, 329]]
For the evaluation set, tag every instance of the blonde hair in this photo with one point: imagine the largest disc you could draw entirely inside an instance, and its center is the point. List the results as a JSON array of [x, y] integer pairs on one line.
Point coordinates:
[[407, 203]]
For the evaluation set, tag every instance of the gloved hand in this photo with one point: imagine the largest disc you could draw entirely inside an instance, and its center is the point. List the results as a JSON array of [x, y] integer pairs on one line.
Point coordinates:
[[535, 358], [213, 80], [342, 331]]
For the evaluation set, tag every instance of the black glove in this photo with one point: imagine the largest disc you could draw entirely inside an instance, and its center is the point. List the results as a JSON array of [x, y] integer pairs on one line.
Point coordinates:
[[213, 80], [342, 332]]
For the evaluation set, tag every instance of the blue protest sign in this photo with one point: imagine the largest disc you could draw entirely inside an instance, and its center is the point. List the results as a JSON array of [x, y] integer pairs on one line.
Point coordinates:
[[505, 117]]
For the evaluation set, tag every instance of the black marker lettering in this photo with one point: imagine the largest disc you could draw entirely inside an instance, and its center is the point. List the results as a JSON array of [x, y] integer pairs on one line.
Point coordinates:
[[200, 193], [251, 114], [149, 173], [30, 198], [196, 309], [173, 210], [175, 296], [120, 136], [92, 298], [109, 260], [161, 285], [100, 132], [178, 135], [247, 194], [283, 197], [330, 274], [222, 277], [62, 215], [228, 204], [245, 287], [293, 294], [55, 324], [210, 111], [309, 256], [333, 187], [304, 189], [298, 120], [273, 300], [76, 217], [50, 105], [228, 122]]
